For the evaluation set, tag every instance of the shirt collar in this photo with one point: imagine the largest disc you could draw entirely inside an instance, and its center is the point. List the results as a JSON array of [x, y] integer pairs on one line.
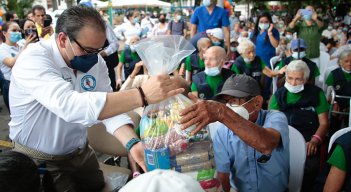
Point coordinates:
[[56, 53]]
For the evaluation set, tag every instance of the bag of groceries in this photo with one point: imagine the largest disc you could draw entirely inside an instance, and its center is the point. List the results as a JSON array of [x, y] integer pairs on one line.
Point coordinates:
[[166, 145]]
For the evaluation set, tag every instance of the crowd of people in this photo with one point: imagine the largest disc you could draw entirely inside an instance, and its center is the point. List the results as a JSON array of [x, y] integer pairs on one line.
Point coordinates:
[[59, 79]]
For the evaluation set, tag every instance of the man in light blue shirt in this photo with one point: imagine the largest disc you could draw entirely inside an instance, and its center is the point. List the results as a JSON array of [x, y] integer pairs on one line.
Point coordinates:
[[249, 156], [209, 16]]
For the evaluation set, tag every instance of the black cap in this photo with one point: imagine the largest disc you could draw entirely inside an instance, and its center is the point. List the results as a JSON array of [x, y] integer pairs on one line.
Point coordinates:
[[240, 86]]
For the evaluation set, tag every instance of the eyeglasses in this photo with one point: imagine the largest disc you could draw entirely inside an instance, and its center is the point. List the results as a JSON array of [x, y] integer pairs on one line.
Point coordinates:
[[88, 51]]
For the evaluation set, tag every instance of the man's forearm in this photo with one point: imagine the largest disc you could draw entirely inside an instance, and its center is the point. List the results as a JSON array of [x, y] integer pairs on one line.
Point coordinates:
[[193, 30], [265, 140], [292, 23], [120, 102], [227, 37]]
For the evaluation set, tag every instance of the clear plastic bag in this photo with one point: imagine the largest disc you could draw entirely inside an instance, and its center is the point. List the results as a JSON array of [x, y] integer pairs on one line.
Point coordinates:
[[166, 146], [159, 127]]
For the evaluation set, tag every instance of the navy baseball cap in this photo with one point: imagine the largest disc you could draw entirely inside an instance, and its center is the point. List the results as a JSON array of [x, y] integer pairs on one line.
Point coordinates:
[[240, 86], [295, 44]]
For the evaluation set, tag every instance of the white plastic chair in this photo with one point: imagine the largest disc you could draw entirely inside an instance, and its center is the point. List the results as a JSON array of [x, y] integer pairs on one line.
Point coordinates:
[[323, 65], [337, 135], [297, 148], [273, 61]]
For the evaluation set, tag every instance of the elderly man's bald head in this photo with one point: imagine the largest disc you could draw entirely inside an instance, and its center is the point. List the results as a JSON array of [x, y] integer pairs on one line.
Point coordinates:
[[214, 57], [203, 43], [218, 51]]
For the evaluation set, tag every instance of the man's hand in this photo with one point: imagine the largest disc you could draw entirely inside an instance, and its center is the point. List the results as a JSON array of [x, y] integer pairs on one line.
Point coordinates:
[[160, 87], [137, 152], [270, 29], [201, 113], [46, 30], [297, 16]]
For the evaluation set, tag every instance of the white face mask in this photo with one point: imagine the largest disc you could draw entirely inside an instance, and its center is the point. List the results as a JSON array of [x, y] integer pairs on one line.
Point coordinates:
[[232, 49], [288, 37], [247, 60], [179, 17], [213, 71], [296, 55], [206, 3], [344, 70], [132, 48], [263, 26], [241, 110], [294, 89]]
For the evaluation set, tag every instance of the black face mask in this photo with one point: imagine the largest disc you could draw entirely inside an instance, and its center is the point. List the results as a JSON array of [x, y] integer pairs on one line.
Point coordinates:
[[163, 20]]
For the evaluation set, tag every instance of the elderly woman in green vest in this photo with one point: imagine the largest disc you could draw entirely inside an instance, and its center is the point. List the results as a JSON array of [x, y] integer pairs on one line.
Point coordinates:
[[306, 109], [340, 79]]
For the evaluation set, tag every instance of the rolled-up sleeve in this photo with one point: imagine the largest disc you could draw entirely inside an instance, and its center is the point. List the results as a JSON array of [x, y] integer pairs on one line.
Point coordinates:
[[277, 120], [113, 123]]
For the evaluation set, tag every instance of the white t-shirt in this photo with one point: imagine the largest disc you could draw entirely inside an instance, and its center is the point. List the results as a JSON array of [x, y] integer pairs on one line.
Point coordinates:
[[51, 107], [7, 51], [127, 30]]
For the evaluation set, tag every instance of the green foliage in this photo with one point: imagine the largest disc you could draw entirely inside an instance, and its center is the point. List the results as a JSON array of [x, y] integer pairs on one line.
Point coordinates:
[[21, 7]]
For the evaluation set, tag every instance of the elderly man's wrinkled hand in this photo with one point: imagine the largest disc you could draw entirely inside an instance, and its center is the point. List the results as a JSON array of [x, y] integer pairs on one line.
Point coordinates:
[[201, 113], [160, 87]]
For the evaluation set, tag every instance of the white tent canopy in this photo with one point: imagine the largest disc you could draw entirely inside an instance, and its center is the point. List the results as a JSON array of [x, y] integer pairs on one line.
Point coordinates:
[[132, 4]]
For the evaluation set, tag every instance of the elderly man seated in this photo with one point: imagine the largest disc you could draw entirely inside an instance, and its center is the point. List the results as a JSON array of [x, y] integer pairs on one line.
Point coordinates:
[[208, 83], [298, 47], [306, 108], [194, 63], [251, 145]]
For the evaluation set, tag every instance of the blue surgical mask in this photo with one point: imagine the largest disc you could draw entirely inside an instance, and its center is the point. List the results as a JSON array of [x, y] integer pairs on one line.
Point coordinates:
[[263, 26], [136, 20], [179, 17], [83, 63], [330, 28], [307, 17], [213, 71], [15, 37], [216, 43], [206, 2], [232, 49]]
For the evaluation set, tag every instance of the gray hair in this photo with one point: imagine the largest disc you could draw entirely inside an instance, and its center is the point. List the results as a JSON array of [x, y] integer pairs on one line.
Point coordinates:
[[202, 41], [245, 44], [74, 19], [343, 55], [299, 65]]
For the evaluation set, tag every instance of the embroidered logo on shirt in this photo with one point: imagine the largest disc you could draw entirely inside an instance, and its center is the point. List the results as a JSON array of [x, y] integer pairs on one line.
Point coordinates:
[[88, 83]]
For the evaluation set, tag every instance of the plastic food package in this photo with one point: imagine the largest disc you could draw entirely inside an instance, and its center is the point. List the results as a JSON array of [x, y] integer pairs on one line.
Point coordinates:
[[166, 146], [159, 127]]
